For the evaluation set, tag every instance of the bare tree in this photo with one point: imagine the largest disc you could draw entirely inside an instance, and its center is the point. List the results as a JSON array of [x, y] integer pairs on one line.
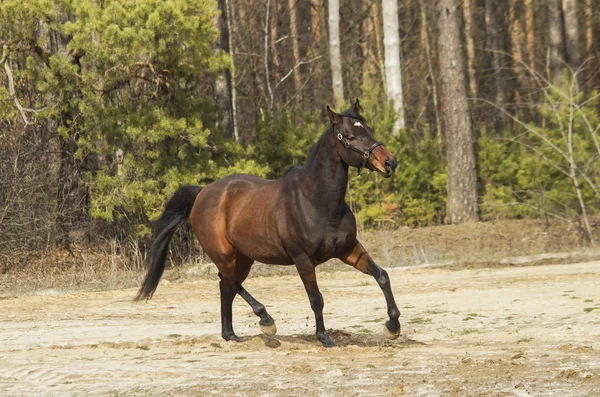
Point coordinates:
[[462, 180], [334, 52], [393, 69]]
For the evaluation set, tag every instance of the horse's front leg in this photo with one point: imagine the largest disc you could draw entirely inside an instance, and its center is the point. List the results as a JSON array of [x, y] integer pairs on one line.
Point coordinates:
[[360, 259], [306, 270]]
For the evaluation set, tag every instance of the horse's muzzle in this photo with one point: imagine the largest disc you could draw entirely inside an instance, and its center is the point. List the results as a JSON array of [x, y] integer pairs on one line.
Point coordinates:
[[390, 165]]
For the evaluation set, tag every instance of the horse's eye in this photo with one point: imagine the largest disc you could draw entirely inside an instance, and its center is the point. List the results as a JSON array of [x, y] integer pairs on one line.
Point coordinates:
[[351, 138]]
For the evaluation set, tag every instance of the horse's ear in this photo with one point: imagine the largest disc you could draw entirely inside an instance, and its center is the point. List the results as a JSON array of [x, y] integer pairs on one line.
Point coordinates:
[[357, 108], [333, 116]]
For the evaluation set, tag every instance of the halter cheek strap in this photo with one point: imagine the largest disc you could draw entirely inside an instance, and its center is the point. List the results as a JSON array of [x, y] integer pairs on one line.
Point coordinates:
[[365, 153]]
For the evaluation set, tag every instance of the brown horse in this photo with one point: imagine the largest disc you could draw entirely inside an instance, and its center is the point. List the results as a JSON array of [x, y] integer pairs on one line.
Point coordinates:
[[300, 219]]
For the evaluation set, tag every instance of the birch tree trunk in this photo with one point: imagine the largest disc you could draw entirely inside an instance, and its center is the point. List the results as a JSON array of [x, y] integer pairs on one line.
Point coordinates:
[[393, 71], [334, 52], [556, 61], [295, 50], [462, 180]]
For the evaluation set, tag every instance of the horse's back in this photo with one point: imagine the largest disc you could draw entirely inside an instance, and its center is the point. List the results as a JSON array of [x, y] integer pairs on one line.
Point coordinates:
[[237, 213]]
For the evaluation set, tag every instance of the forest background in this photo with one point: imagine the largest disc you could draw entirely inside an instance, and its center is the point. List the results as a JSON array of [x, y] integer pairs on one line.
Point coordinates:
[[108, 106]]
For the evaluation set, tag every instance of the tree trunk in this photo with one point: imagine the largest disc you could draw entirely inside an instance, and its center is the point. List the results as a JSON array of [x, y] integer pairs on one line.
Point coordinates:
[[295, 50], [494, 11], [469, 32], [462, 181], [436, 107], [556, 61], [275, 67], [376, 13], [572, 33], [530, 33], [589, 41], [393, 71], [334, 52], [316, 27], [224, 90], [315, 21], [516, 37], [368, 42]]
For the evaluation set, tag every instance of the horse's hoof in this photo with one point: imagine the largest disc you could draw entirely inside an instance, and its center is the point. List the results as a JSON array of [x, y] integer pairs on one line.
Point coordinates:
[[389, 334], [232, 338], [325, 340], [268, 329]]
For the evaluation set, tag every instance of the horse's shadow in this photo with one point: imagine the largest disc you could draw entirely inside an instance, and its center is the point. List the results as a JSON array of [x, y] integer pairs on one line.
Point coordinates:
[[339, 337]]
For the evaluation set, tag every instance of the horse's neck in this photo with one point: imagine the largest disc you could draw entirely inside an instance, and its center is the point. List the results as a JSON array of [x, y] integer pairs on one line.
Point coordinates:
[[325, 176]]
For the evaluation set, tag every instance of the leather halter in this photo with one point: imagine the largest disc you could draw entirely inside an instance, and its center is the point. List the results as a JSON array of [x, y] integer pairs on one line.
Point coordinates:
[[365, 153]]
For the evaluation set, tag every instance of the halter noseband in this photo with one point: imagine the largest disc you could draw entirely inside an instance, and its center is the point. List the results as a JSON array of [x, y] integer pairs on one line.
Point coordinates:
[[365, 153]]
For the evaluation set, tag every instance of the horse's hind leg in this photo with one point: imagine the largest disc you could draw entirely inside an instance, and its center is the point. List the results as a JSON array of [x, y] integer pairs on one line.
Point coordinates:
[[228, 292], [242, 269]]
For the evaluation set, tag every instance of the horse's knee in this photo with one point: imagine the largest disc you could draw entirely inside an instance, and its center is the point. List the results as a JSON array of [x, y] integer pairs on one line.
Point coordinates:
[[383, 279], [316, 302]]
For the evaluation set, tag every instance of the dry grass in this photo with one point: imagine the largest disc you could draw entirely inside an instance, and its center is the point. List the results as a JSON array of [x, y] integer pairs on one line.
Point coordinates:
[[117, 265]]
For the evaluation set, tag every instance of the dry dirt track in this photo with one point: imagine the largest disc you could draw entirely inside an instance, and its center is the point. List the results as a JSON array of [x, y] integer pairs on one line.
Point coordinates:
[[484, 332]]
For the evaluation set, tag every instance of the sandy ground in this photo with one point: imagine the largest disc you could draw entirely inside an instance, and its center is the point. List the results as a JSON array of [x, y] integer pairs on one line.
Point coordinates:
[[479, 332]]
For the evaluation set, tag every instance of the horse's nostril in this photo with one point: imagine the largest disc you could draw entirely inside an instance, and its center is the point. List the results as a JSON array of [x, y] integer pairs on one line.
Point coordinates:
[[390, 164]]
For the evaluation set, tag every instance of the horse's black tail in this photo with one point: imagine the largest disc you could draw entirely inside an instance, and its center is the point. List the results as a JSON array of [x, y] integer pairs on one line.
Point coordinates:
[[177, 210]]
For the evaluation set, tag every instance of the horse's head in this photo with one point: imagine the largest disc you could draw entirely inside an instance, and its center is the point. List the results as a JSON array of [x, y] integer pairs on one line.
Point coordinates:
[[356, 144]]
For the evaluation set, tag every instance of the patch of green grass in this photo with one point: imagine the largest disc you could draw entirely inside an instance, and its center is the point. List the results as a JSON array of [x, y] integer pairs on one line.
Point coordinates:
[[570, 290], [216, 345], [371, 366], [420, 320], [142, 347], [240, 358], [574, 297], [174, 336], [409, 307], [590, 309], [468, 318], [363, 284], [588, 300], [524, 340], [365, 331], [93, 346], [468, 331]]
